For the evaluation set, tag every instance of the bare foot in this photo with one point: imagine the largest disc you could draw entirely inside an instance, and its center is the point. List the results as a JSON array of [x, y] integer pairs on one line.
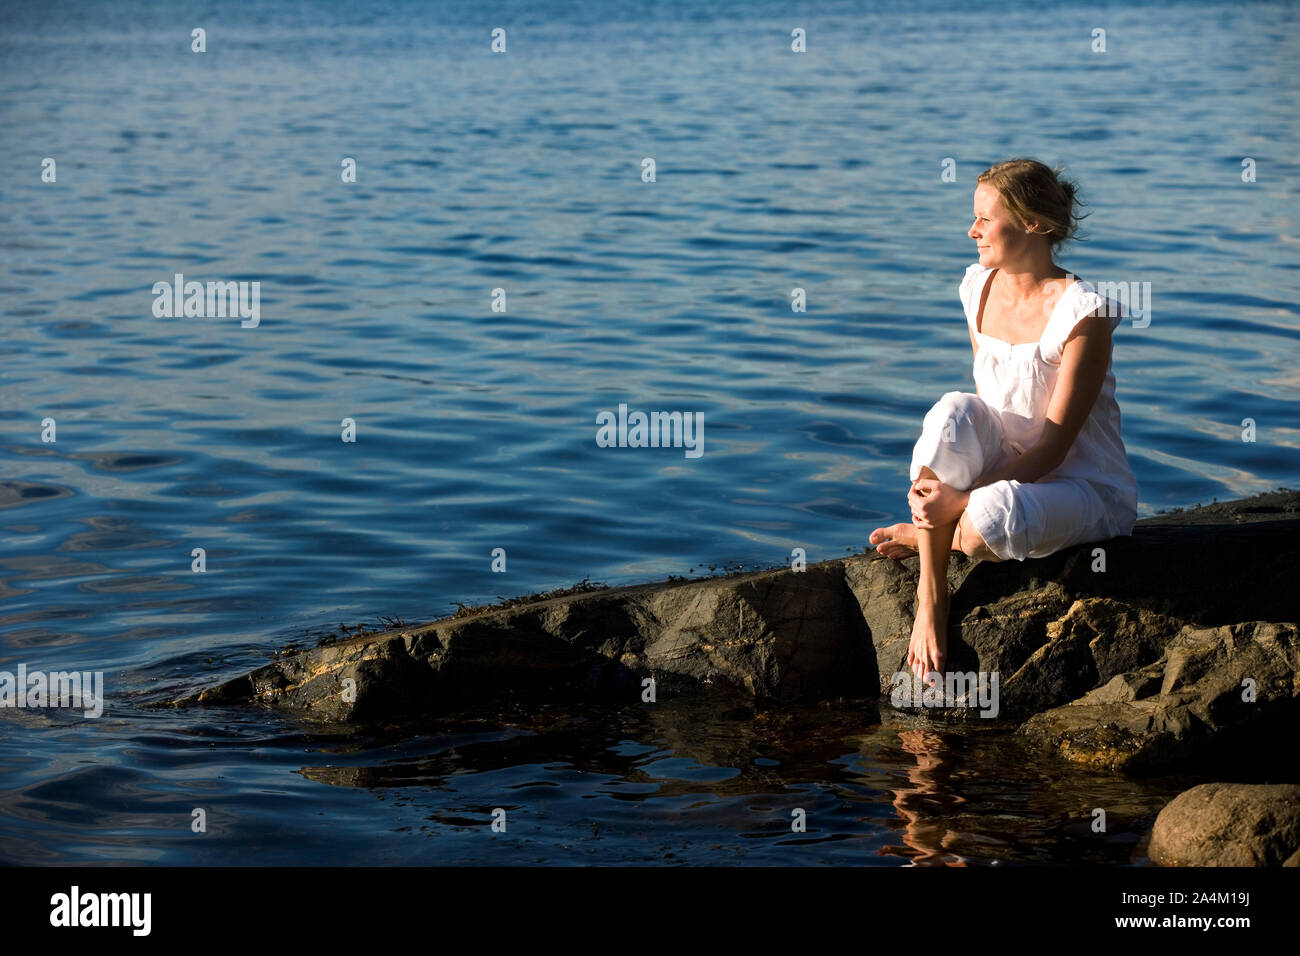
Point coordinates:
[[928, 650], [898, 541]]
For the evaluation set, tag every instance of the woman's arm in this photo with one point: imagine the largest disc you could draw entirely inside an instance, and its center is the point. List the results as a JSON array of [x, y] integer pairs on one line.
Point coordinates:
[[1084, 361], [1029, 467], [932, 502]]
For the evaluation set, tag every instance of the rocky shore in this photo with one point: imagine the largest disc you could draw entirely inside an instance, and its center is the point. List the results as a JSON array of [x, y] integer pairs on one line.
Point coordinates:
[[1175, 649]]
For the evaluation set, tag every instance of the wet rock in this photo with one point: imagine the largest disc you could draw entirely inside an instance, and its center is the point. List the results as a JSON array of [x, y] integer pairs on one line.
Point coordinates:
[[1093, 642], [1229, 824], [1087, 620], [781, 636], [1221, 696], [1221, 564]]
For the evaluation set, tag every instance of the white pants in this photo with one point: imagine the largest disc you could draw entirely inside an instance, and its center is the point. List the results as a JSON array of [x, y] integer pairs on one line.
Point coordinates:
[[962, 438]]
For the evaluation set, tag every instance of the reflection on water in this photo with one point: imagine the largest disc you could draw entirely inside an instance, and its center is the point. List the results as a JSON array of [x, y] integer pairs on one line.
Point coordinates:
[[928, 806], [703, 781]]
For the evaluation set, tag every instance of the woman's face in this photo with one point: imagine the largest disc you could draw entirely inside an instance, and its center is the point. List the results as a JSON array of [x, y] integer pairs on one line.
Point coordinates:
[[998, 238]]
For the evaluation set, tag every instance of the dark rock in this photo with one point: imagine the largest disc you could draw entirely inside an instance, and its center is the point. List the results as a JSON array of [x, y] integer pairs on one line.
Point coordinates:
[[1087, 619], [1229, 824], [1220, 696], [780, 636], [1097, 639]]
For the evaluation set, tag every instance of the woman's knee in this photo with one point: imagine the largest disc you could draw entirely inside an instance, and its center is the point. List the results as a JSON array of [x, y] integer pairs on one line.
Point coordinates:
[[963, 422], [954, 407]]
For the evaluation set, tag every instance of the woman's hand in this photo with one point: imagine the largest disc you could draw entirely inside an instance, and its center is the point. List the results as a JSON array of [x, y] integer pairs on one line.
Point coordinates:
[[934, 503]]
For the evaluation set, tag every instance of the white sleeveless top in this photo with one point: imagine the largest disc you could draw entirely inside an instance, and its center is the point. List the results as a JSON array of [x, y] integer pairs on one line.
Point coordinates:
[[1018, 380]]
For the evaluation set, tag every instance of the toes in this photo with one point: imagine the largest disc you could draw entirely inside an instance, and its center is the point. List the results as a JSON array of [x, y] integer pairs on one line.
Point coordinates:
[[892, 549]]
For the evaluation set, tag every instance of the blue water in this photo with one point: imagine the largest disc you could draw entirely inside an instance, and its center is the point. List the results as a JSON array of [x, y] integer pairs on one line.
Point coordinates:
[[476, 429]]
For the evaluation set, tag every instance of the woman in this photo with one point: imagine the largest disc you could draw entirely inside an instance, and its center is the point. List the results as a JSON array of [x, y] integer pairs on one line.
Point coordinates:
[[1034, 461]]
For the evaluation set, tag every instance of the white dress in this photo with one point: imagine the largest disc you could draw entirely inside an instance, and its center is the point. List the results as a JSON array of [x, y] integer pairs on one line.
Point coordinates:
[[1090, 496]]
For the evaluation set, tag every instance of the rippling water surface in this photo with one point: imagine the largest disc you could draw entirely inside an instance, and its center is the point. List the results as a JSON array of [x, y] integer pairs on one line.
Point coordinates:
[[475, 428]]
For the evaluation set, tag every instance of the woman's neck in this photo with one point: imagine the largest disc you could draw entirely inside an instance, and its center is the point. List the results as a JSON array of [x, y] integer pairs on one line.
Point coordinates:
[[1024, 280]]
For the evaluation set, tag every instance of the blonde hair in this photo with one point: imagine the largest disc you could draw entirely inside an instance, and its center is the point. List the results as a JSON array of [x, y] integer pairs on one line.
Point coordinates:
[[1033, 193]]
